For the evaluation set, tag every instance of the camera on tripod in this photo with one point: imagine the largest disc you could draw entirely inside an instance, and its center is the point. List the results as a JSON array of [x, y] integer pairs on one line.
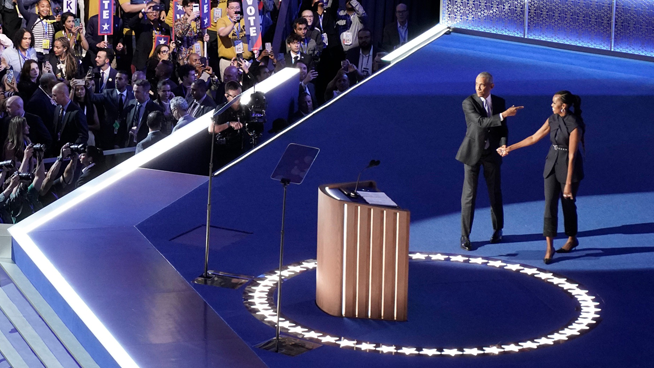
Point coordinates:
[[257, 116]]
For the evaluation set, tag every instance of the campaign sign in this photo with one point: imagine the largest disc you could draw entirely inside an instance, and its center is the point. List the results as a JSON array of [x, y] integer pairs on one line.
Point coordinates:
[[70, 6], [179, 10], [106, 17], [205, 14], [161, 40], [252, 23]]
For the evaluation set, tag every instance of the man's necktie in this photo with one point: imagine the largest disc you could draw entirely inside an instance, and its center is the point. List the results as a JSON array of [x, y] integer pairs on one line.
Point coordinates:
[[121, 104], [295, 59], [60, 122], [102, 82], [193, 109], [488, 113], [136, 120]]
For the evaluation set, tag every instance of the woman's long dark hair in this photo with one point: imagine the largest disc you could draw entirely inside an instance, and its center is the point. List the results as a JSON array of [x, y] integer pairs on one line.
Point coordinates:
[[574, 101], [27, 68], [71, 61]]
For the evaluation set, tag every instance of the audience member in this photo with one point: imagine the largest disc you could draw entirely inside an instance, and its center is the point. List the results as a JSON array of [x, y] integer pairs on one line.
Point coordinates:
[[88, 109], [91, 160], [37, 131], [228, 126], [137, 112], [22, 51], [305, 107], [308, 45], [187, 76], [202, 102], [338, 85], [42, 104], [232, 42], [188, 32], [350, 21], [41, 25], [179, 108], [362, 57], [113, 126], [70, 122], [97, 42], [107, 77], [295, 53], [398, 33], [306, 77], [65, 65], [161, 52], [73, 34], [154, 131], [146, 27], [29, 79], [164, 95]]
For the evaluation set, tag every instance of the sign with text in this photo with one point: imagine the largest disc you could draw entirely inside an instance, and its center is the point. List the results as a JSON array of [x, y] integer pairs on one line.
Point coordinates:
[[70, 6], [205, 14], [105, 17], [252, 24]]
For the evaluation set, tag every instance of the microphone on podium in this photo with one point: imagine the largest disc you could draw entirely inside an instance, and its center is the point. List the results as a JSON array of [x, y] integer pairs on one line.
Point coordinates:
[[354, 194]]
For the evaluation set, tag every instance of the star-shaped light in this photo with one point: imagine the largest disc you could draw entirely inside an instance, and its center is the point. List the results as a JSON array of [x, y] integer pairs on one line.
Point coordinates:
[[328, 339], [309, 265], [543, 275], [438, 257], [569, 332], [557, 280], [297, 268], [418, 256], [496, 264], [451, 352], [386, 349], [493, 350], [512, 347], [513, 267], [530, 271], [429, 352], [474, 351], [528, 344], [105, 27], [567, 285], [544, 341], [297, 329], [365, 346], [345, 342], [162, 41], [312, 334], [286, 324], [273, 319], [408, 351], [477, 260], [458, 258], [558, 337]]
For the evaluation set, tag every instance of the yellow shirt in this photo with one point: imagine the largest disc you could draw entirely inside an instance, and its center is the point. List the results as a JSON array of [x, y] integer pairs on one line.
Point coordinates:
[[222, 5], [226, 44]]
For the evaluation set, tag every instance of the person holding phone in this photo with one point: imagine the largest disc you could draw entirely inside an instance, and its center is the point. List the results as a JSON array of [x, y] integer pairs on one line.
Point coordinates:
[[231, 36], [146, 27], [22, 51], [63, 61], [188, 33], [41, 24], [73, 31]]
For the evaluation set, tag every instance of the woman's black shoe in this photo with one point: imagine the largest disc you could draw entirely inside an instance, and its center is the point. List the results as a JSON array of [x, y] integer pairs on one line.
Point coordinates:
[[563, 250]]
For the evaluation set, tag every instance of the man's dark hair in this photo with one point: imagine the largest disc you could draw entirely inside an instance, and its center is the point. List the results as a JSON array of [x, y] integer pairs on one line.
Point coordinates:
[[18, 38], [234, 1], [164, 83], [183, 70], [143, 83], [94, 153], [201, 84], [110, 54], [169, 67], [121, 71], [365, 29], [300, 20], [293, 37], [232, 86], [186, 3], [154, 120]]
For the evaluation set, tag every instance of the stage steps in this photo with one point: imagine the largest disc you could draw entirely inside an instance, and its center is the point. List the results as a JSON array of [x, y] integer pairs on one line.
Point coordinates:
[[31, 334]]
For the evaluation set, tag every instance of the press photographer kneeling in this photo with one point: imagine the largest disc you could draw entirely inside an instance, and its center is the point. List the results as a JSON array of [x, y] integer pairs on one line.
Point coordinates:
[[56, 185], [20, 197]]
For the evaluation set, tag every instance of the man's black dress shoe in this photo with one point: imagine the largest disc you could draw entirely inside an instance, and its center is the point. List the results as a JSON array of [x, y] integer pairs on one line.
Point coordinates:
[[465, 243], [496, 237]]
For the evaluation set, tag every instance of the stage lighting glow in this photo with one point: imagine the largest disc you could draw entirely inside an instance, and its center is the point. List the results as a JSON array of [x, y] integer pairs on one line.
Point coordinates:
[[416, 43], [588, 312]]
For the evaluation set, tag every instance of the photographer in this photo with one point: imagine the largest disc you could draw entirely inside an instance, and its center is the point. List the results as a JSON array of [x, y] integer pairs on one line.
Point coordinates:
[[55, 186], [24, 200], [5, 213], [228, 126]]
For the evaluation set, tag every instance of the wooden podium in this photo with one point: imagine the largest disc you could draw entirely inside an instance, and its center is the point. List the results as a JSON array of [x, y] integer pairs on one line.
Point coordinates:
[[363, 256]]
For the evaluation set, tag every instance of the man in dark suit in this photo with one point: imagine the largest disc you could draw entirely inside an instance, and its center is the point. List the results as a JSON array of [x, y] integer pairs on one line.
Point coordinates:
[[398, 33], [42, 105], [137, 112], [96, 42], [114, 102], [90, 160], [362, 57], [306, 86], [202, 102], [294, 53], [187, 75], [38, 131], [105, 78], [486, 132], [155, 134], [70, 122]]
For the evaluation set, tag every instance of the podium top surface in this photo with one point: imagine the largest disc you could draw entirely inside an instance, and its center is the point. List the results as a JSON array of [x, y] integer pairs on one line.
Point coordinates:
[[334, 191]]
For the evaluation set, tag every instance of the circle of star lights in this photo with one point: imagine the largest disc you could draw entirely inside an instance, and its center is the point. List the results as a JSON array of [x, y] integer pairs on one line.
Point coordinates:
[[258, 298]]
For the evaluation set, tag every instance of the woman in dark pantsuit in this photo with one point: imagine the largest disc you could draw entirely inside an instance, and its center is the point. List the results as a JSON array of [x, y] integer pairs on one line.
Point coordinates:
[[563, 167]]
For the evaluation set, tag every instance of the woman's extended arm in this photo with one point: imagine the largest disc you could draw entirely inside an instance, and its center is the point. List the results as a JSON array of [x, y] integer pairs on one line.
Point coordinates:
[[572, 151], [540, 134]]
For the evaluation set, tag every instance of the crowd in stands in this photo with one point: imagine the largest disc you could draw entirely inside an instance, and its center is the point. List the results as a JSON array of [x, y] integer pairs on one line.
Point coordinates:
[[68, 92]]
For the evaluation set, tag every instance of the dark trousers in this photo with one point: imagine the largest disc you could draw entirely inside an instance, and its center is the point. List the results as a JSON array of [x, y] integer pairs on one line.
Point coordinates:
[[491, 163], [10, 21], [554, 191]]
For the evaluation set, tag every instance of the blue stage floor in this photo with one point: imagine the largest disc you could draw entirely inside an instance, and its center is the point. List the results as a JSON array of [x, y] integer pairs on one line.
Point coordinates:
[[409, 117]]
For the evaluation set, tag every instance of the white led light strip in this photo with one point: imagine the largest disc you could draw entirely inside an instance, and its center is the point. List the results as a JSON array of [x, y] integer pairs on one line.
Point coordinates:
[[258, 298]]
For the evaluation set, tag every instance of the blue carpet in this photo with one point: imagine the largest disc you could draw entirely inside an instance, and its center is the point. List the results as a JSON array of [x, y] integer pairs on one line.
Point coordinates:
[[410, 118]]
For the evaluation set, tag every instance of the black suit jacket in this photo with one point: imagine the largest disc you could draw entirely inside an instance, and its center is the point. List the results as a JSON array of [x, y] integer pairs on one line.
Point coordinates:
[[481, 127], [205, 106], [72, 129], [111, 80], [142, 126], [89, 175], [143, 31], [93, 38], [111, 136], [41, 105], [39, 133], [391, 36], [152, 138]]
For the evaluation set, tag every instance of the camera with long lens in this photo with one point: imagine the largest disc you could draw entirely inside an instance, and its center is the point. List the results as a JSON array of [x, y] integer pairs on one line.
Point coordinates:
[[257, 116], [26, 177], [77, 148], [38, 147], [7, 165]]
